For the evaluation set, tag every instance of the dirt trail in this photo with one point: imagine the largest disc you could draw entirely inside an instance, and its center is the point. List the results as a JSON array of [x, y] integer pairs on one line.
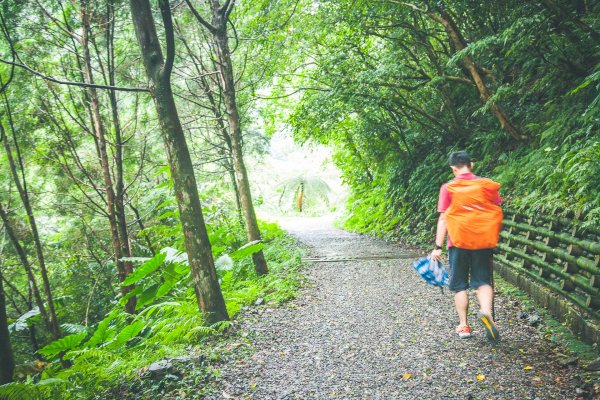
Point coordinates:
[[371, 329]]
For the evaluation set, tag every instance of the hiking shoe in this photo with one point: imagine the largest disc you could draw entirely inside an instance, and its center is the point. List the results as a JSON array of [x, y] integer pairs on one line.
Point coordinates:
[[491, 331], [463, 331]]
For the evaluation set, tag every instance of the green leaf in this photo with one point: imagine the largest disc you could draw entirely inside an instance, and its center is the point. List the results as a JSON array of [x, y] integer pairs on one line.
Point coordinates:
[[145, 269], [170, 277], [150, 310], [147, 296], [129, 332], [73, 328], [135, 259], [63, 344], [21, 322], [247, 250], [103, 333], [28, 390]]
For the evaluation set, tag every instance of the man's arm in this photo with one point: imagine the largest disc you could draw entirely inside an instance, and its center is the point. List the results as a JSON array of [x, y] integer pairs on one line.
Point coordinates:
[[440, 236]]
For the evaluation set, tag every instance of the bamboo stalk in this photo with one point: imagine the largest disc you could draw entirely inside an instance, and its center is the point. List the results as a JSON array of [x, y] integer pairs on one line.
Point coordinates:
[[589, 265], [574, 297], [574, 224], [588, 245], [579, 281]]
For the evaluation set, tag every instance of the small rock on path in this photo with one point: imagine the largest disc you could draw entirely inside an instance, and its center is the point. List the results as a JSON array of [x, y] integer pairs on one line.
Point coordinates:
[[374, 330]]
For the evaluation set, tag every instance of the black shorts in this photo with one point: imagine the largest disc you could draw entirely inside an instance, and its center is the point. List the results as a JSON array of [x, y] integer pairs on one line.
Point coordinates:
[[473, 264]]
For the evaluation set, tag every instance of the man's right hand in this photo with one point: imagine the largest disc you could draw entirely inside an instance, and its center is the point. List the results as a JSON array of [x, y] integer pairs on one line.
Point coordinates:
[[436, 254]]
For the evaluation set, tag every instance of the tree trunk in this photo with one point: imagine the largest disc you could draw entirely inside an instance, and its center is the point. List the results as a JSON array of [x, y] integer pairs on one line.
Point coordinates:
[[99, 134], [241, 174], [459, 43], [7, 362], [120, 185], [220, 124], [208, 292], [24, 194], [23, 257]]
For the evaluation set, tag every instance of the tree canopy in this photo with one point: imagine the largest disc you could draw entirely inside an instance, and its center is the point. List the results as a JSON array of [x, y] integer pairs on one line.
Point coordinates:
[[129, 131]]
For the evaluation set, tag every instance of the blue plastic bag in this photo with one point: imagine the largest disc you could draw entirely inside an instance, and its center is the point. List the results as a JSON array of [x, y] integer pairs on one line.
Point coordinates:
[[432, 271]]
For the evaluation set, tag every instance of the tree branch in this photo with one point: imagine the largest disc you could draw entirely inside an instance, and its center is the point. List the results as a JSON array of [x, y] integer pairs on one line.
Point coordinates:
[[228, 7], [202, 21], [165, 12], [70, 83], [6, 34]]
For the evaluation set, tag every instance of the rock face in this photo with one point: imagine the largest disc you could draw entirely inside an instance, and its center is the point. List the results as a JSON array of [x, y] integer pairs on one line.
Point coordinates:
[[372, 329]]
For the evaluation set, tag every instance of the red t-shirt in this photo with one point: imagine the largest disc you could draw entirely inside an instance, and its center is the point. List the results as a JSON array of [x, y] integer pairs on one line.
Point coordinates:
[[446, 198]]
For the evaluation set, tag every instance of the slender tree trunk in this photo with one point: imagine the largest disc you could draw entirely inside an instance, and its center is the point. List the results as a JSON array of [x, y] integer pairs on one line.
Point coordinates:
[[100, 136], [23, 192], [201, 70], [485, 93], [7, 362], [120, 185], [357, 154], [142, 228], [229, 94], [158, 69], [28, 270], [300, 198]]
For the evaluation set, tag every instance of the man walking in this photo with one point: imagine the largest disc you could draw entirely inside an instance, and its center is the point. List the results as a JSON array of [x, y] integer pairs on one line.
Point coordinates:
[[470, 214]]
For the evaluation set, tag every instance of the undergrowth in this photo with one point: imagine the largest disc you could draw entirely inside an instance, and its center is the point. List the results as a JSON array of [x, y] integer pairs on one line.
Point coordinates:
[[555, 332], [112, 359]]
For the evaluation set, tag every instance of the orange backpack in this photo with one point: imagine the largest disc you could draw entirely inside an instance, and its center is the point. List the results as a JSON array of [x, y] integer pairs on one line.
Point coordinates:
[[473, 218]]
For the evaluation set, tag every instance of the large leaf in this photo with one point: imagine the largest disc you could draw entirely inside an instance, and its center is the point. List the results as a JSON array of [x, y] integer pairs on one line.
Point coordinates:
[[62, 344], [103, 333], [129, 332], [147, 296], [174, 255], [21, 323], [73, 328], [145, 269], [248, 249], [154, 307]]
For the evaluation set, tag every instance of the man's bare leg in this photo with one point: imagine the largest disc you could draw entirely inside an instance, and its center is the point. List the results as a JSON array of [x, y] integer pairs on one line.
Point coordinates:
[[485, 296], [461, 301]]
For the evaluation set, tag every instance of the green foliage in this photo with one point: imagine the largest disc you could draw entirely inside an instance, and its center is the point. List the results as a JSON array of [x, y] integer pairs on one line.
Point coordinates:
[[61, 345], [143, 270], [23, 321], [120, 344], [247, 250], [41, 390], [304, 192], [393, 97]]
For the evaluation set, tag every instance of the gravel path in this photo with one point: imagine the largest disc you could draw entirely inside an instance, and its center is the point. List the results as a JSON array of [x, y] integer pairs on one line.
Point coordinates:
[[371, 329]]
